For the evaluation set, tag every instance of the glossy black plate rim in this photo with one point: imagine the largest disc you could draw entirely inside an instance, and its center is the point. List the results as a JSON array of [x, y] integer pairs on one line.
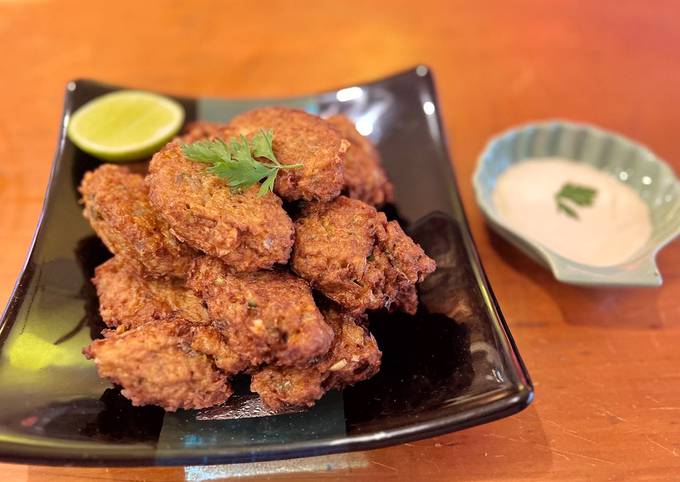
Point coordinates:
[[496, 404]]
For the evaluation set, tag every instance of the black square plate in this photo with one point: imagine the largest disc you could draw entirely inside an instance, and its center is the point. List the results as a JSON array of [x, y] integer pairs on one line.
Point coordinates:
[[451, 366]]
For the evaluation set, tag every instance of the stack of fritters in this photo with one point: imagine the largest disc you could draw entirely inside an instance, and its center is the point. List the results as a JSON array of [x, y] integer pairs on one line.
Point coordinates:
[[207, 282]]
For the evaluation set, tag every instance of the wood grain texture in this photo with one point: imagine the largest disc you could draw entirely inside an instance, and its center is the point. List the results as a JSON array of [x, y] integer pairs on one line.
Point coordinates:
[[605, 362]]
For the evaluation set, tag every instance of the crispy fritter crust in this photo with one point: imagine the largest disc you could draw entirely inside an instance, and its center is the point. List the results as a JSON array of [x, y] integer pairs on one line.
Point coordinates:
[[162, 363], [270, 316], [300, 138], [199, 130], [117, 206], [348, 251], [215, 343], [407, 299], [245, 230], [353, 357], [365, 177], [126, 299]]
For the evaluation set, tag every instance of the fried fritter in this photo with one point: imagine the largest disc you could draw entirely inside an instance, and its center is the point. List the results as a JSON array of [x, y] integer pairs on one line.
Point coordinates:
[[270, 316], [407, 299], [117, 206], [214, 342], [199, 130], [353, 357], [127, 299], [348, 251], [163, 363], [365, 177], [245, 230], [300, 138]]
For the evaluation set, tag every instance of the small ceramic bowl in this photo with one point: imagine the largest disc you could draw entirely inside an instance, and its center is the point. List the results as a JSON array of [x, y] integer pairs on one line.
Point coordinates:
[[630, 162]]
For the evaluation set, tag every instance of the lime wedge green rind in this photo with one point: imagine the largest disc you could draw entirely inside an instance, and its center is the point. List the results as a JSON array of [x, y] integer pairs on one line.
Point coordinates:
[[126, 125]]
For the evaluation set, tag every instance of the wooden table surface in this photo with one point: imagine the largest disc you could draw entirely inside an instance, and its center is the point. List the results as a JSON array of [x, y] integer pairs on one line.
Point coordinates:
[[606, 362]]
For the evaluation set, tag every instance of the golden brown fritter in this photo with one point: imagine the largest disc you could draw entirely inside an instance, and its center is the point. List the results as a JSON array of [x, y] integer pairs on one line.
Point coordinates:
[[117, 206], [127, 299], [300, 138], [162, 363], [365, 177], [353, 357], [214, 342], [348, 251], [270, 316], [407, 299], [245, 230], [199, 130]]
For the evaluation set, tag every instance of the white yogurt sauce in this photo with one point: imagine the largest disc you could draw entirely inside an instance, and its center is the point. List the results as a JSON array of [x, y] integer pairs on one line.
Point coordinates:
[[606, 233]]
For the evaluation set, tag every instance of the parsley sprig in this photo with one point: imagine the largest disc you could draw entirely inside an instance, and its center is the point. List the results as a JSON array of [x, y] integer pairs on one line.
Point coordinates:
[[238, 161], [579, 195]]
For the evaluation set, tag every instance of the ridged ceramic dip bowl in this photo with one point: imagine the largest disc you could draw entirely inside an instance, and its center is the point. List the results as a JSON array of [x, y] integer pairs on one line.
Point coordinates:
[[630, 162]]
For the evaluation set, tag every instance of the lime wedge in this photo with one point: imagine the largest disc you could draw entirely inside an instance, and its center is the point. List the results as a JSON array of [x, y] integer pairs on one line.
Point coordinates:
[[126, 125]]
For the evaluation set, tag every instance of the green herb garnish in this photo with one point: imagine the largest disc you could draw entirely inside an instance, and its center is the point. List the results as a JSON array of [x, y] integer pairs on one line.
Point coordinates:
[[579, 195], [237, 160]]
